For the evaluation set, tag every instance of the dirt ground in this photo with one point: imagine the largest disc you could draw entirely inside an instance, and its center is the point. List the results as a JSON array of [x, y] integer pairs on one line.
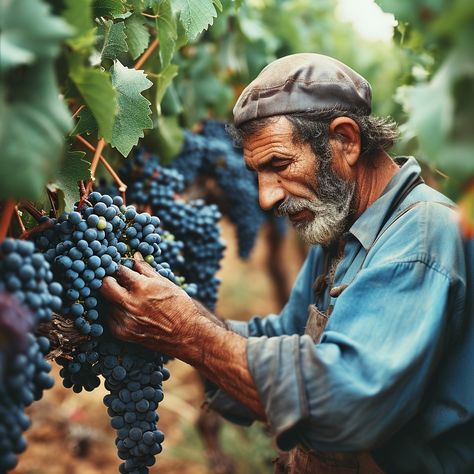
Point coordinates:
[[71, 433]]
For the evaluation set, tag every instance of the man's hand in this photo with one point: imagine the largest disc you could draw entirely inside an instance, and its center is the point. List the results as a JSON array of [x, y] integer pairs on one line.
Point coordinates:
[[149, 309]]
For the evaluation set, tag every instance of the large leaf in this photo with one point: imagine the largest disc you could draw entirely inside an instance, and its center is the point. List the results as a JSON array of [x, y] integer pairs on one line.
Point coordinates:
[[100, 96], [137, 35], [115, 40], [166, 28], [79, 16], [86, 123], [28, 32], [108, 8], [431, 109], [73, 169], [33, 119], [32, 126], [133, 109], [169, 138], [195, 15], [165, 77]]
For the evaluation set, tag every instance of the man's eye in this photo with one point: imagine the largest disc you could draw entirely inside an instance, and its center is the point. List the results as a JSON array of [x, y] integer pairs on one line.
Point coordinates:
[[280, 165]]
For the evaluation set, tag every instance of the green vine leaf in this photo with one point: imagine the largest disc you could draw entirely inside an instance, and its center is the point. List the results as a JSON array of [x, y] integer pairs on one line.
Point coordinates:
[[195, 15], [29, 32], [165, 77], [166, 28], [218, 4], [133, 109], [79, 16], [86, 123], [32, 127], [115, 40], [108, 8], [169, 137], [33, 119], [73, 169], [151, 3], [96, 88], [137, 34]]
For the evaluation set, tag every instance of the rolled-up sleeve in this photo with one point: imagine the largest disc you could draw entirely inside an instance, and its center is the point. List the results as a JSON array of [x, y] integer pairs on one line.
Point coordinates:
[[366, 377], [291, 320]]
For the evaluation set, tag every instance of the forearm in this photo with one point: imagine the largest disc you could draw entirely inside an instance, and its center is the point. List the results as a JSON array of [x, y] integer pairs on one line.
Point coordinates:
[[208, 315], [220, 356]]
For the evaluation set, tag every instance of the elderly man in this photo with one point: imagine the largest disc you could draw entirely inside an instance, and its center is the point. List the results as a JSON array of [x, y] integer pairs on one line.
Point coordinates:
[[359, 373]]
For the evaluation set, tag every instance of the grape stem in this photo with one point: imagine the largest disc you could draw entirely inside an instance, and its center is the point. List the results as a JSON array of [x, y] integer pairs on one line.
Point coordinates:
[[31, 209], [74, 115], [5, 218], [19, 220], [34, 230], [96, 158], [51, 201], [63, 336], [95, 161], [122, 187]]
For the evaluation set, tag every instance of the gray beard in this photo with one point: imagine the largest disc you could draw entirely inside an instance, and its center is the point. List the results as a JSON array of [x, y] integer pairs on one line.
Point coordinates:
[[332, 210]]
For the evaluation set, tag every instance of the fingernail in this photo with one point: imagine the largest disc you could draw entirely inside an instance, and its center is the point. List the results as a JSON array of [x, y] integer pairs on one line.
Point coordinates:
[[138, 256]]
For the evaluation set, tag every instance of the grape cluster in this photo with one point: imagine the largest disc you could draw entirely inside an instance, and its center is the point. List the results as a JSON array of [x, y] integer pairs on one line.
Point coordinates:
[[134, 377], [196, 224], [29, 296], [191, 240], [213, 153], [83, 247]]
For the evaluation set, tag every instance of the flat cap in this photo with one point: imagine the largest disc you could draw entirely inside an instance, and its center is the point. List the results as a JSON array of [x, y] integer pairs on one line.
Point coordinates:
[[305, 82]]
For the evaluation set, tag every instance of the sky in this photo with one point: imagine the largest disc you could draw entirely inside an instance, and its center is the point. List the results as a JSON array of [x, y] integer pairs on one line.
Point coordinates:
[[367, 18]]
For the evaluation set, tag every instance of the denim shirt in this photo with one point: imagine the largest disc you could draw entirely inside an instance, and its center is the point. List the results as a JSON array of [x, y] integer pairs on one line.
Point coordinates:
[[393, 371]]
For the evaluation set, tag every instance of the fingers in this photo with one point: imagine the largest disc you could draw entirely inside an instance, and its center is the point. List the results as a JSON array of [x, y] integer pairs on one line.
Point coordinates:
[[113, 291], [127, 277], [142, 267]]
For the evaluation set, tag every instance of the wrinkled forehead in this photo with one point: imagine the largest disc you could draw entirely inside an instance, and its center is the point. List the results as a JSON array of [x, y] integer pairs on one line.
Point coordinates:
[[277, 132]]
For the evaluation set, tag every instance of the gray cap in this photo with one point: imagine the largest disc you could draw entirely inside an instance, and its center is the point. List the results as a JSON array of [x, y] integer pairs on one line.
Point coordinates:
[[305, 82]]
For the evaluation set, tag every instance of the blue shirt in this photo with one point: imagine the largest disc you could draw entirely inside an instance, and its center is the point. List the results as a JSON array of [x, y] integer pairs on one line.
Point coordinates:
[[394, 370]]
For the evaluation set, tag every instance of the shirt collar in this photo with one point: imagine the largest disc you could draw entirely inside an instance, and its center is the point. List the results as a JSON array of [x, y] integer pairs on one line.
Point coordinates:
[[366, 228]]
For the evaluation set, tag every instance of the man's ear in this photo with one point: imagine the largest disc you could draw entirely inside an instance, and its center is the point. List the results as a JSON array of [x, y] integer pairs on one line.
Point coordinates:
[[345, 134]]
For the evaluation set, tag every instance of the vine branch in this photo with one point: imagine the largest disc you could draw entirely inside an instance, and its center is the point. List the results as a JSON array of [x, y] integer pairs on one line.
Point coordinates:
[[147, 54], [5, 218], [122, 187]]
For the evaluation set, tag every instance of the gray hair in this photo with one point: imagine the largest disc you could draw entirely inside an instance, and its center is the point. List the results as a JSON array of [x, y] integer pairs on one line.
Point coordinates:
[[377, 133]]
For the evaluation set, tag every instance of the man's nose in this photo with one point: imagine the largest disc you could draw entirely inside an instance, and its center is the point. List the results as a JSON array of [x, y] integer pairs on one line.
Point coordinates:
[[270, 191]]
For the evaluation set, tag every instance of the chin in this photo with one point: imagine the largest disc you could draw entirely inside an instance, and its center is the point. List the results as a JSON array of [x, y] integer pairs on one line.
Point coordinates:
[[320, 232]]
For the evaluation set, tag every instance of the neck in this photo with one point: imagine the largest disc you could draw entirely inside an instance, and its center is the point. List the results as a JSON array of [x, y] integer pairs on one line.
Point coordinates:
[[372, 179]]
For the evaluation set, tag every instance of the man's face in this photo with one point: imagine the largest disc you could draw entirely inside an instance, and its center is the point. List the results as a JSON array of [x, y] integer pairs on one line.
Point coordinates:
[[315, 198]]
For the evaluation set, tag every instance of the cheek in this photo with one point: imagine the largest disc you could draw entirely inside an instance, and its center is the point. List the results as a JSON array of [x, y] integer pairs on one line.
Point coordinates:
[[301, 188]]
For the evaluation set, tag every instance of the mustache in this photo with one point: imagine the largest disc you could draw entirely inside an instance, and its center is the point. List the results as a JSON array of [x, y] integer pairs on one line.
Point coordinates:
[[292, 205]]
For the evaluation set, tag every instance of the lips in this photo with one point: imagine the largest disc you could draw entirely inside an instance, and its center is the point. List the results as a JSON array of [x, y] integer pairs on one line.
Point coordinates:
[[301, 216]]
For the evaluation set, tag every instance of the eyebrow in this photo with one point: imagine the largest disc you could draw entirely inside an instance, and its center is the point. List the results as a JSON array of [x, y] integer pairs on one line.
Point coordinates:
[[263, 164]]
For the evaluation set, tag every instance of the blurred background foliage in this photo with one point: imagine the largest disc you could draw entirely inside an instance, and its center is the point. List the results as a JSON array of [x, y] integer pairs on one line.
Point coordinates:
[[208, 51], [423, 77], [53, 60]]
